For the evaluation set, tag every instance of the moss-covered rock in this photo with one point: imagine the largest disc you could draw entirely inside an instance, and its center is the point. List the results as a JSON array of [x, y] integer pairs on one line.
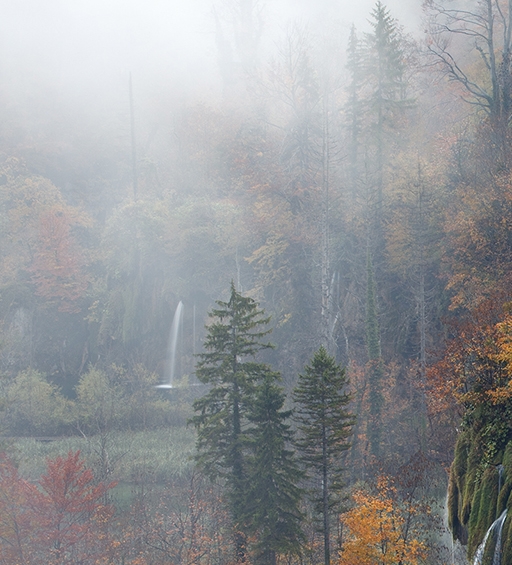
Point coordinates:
[[484, 510], [506, 554], [480, 485]]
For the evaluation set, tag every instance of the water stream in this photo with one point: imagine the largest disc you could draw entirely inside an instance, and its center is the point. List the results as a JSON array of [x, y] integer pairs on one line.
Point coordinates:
[[498, 526], [172, 348], [496, 560], [500, 477], [455, 551]]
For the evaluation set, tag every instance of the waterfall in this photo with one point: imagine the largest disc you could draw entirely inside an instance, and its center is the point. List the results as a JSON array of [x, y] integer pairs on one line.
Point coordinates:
[[447, 535], [497, 549], [456, 552], [496, 525], [172, 347], [500, 477]]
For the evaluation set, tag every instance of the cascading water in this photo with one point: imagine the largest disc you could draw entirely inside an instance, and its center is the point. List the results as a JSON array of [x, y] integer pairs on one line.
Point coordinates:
[[497, 548], [456, 553], [498, 526], [172, 347], [500, 477]]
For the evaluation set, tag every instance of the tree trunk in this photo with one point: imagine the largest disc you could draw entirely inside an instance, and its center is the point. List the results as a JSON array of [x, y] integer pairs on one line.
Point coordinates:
[[325, 501], [326, 314]]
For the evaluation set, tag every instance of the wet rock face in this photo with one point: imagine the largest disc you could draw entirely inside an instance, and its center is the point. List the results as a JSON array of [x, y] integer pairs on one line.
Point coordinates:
[[480, 488]]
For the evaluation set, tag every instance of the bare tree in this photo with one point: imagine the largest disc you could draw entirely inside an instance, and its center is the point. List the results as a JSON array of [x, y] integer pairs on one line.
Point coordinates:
[[486, 25]]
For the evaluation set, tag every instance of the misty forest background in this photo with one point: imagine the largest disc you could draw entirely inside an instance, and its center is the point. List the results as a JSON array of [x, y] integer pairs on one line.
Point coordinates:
[[356, 184]]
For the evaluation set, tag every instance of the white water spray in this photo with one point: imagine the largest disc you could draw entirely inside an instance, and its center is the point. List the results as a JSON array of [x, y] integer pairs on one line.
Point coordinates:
[[496, 525], [172, 347]]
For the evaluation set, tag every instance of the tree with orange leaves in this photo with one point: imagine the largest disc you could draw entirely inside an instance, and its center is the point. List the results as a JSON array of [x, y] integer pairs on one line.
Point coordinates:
[[379, 531], [502, 392], [58, 265], [61, 519], [70, 508], [471, 381], [16, 520], [474, 361]]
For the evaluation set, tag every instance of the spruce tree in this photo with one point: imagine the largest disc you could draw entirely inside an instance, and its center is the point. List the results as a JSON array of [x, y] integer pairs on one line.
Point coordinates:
[[228, 365], [375, 365], [324, 426], [273, 495], [385, 77], [354, 107]]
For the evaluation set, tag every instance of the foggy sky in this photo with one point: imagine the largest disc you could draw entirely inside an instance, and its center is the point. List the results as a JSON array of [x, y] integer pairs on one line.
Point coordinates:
[[87, 48]]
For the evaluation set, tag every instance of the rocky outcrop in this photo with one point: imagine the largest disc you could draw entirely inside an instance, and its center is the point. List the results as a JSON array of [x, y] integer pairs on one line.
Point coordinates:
[[480, 483]]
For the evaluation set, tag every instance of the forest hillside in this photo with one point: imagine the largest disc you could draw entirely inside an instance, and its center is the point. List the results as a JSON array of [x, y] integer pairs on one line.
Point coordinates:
[[269, 318]]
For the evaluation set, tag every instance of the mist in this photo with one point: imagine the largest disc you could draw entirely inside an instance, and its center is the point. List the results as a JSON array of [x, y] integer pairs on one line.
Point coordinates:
[[223, 220], [85, 50]]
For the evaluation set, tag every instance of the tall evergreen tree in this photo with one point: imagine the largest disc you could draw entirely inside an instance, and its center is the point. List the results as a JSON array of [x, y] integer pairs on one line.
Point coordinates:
[[324, 426], [386, 85], [354, 107], [375, 367], [273, 495], [372, 319], [296, 83], [229, 366]]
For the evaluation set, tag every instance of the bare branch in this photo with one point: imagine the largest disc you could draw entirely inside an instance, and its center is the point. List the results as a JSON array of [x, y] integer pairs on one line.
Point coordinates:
[[455, 73]]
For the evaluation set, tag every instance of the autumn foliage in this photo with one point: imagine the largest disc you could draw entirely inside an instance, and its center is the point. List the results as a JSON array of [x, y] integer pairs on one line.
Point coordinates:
[[60, 519], [58, 264], [192, 531], [475, 366], [378, 530]]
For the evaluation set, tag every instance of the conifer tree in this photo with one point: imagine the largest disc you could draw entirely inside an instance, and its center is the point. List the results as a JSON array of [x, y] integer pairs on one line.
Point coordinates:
[[273, 495], [375, 368], [228, 365], [324, 426], [385, 77], [354, 106]]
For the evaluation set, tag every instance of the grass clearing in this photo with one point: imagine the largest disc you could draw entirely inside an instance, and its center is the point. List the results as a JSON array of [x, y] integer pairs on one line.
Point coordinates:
[[164, 455]]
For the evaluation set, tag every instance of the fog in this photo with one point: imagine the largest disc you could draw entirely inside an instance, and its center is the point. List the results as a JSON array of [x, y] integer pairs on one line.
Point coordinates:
[[345, 188], [65, 115], [87, 48]]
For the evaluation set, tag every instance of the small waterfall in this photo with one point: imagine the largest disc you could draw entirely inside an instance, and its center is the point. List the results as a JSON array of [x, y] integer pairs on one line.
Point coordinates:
[[496, 525], [172, 346], [447, 535], [497, 549], [500, 477], [455, 550]]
